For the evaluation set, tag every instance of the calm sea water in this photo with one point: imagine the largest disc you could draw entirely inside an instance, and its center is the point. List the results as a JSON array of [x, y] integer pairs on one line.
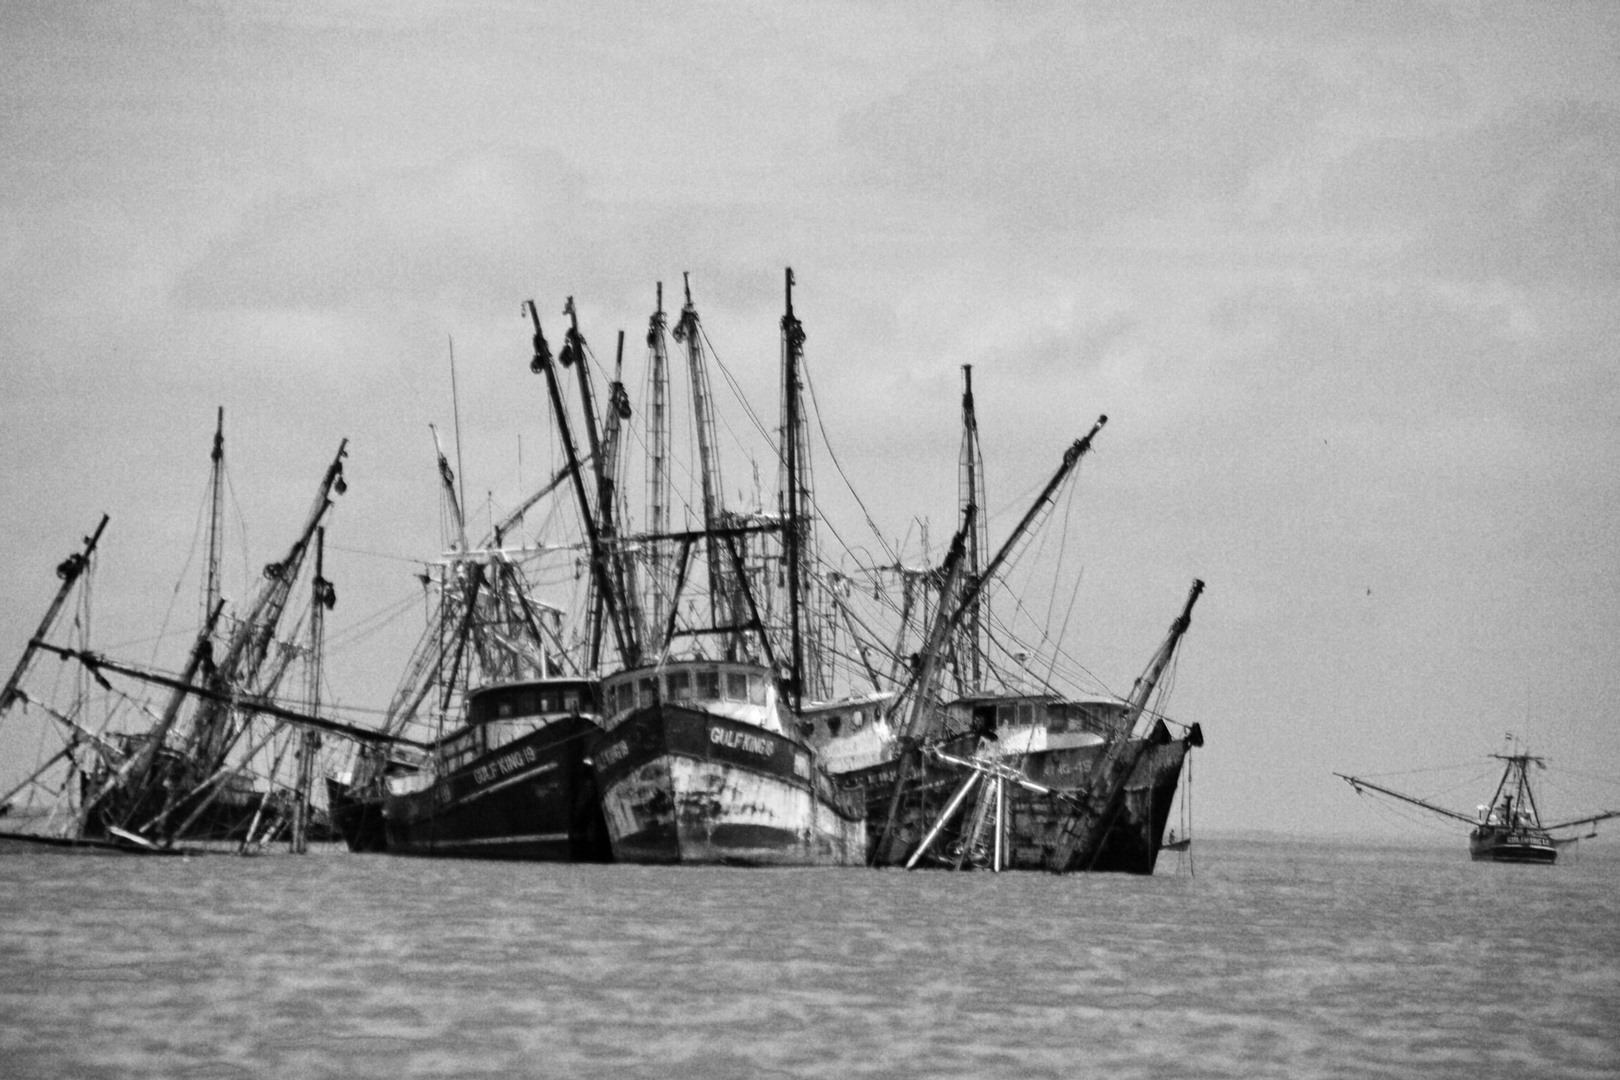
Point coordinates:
[[1277, 959]]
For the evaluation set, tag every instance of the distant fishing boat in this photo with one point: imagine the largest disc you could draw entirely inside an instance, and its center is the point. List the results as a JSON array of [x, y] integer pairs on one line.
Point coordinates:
[[1508, 828]]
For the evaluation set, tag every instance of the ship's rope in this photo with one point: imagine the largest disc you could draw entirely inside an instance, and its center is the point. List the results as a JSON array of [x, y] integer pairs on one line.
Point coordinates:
[[197, 530], [892, 555]]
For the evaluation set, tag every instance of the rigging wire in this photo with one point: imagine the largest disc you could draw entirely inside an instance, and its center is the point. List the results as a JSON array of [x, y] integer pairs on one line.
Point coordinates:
[[839, 466]]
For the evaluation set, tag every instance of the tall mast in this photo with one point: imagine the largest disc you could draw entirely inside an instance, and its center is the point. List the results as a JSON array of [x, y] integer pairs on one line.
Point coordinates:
[[1516, 774], [658, 449], [447, 479], [455, 415], [688, 332], [792, 351], [322, 599], [216, 486], [573, 353], [250, 641], [69, 570], [624, 635], [608, 498], [970, 492]]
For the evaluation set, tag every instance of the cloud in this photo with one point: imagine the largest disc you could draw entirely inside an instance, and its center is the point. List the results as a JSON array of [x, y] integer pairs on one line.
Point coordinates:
[[1533, 197], [1069, 128], [453, 228]]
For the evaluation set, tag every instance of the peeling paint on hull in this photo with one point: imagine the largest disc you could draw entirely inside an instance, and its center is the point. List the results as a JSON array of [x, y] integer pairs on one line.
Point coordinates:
[[683, 786]]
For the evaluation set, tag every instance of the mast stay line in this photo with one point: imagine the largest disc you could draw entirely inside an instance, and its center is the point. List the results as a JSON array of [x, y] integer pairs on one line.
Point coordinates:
[[95, 662]]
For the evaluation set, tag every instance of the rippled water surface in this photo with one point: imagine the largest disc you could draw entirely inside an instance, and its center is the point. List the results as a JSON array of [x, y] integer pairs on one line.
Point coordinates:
[[1277, 959]]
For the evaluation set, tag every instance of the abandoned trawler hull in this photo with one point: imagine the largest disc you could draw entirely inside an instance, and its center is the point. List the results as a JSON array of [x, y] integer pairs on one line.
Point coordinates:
[[357, 817], [515, 783], [1132, 844], [680, 785], [1137, 834], [227, 813]]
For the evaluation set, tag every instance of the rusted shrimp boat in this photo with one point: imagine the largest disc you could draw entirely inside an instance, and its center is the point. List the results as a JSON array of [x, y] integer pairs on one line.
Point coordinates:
[[697, 766]]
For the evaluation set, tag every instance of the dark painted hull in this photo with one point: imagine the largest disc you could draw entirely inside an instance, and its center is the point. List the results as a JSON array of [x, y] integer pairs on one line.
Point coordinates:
[[533, 799], [1132, 844], [357, 817], [680, 785], [1495, 844]]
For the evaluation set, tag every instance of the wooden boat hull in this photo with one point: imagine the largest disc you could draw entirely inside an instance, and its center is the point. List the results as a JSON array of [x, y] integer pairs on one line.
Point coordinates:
[[533, 799], [357, 817], [680, 785], [1490, 843], [1132, 844]]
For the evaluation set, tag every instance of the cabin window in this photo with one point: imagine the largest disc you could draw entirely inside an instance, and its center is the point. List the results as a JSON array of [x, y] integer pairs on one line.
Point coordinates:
[[1026, 713], [756, 689], [505, 708], [649, 691], [708, 685], [678, 685], [858, 718], [736, 686], [570, 702], [1004, 716]]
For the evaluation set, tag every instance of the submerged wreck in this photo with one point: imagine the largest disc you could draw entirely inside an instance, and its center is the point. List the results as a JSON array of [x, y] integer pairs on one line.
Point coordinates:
[[223, 763]]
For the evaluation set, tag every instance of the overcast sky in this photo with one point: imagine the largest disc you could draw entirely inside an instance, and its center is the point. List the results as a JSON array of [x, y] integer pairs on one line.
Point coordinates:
[[1344, 277]]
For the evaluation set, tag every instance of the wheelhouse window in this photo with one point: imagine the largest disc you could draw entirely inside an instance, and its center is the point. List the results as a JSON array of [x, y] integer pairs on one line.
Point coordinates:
[[736, 686], [678, 685], [708, 684]]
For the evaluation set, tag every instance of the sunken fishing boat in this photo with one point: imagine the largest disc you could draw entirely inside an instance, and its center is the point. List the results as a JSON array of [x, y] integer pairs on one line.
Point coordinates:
[[996, 776], [222, 763]]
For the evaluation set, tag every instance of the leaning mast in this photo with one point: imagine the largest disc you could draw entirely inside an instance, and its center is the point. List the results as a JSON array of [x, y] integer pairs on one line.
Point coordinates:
[[970, 492], [794, 531], [1082, 832]]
